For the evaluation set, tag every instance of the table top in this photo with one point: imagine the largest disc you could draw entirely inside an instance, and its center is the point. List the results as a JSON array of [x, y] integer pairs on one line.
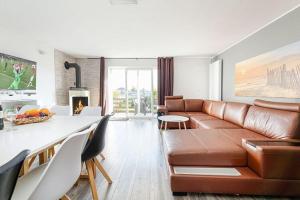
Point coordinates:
[[173, 118], [39, 136]]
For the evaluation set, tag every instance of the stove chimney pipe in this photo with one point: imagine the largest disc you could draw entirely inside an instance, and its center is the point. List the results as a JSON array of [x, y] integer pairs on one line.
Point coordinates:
[[77, 71]]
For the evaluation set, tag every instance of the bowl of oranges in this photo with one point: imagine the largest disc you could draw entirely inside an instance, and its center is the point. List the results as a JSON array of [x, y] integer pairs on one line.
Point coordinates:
[[33, 116]]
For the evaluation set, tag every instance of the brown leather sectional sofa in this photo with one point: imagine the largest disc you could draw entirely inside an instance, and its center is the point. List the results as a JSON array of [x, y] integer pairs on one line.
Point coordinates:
[[260, 141]]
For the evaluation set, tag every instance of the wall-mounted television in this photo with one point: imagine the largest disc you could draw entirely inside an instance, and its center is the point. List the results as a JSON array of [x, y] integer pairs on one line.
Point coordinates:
[[17, 73]]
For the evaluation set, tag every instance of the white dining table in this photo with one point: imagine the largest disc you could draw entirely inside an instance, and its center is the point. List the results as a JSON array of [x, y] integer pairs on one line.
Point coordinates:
[[39, 137]]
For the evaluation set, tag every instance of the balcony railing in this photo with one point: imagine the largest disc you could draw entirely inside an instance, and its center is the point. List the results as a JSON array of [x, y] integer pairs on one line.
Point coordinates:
[[119, 106]]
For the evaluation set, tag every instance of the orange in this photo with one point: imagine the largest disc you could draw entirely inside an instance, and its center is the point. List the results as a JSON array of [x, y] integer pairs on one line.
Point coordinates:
[[32, 113], [45, 111]]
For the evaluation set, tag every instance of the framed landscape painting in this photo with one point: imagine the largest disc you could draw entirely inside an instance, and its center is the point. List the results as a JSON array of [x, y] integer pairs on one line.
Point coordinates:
[[273, 74]]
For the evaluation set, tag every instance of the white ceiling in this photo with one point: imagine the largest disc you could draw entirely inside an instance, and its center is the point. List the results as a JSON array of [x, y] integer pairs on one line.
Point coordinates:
[[151, 28]]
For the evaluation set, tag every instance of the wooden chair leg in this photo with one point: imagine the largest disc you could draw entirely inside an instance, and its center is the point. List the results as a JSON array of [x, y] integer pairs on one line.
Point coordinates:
[[94, 169], [102, 170], [102, 156], [89, 167], [31, 161], [65, 197], [25, 168]]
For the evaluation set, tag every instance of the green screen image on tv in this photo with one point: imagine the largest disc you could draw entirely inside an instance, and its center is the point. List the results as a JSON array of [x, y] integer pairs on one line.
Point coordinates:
[[17, 73]]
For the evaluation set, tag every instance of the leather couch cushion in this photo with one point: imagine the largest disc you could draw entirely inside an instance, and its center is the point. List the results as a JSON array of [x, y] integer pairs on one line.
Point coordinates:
[[195, 113], [175, 105], [202, 117], [217, 124], [179, 113], [196, 147], [196, 118], [193, 105], [295, 107], [173, 97], [236, 112], [273, 123], [206, 107], [217, 109], [236, 135]]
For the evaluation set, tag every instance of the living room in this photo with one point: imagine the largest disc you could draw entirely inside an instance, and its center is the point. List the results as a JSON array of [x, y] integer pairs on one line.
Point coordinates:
[[137, 99]]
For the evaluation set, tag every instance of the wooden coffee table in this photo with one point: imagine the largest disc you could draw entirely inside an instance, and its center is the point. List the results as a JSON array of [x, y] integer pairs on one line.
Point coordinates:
[[172, 118]]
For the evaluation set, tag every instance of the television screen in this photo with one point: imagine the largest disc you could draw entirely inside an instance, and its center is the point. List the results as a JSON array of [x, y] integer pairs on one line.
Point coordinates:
[[17, 73]]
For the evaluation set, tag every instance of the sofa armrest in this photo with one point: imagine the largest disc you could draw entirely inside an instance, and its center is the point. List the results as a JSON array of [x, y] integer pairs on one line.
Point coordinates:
[[162, 109], [274, 159]]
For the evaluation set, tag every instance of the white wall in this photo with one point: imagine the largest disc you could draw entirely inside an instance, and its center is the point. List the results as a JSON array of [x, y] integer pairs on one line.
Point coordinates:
[[20, 46], [282, 32], [191, 77]]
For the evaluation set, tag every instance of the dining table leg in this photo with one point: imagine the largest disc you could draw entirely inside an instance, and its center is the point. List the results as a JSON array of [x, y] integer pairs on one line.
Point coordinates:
[[43, 157], [166, 124], [179, 125]]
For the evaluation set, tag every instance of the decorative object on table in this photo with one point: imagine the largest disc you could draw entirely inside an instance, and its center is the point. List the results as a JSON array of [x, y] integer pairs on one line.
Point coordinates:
[[25, 108], [33, 116], [273, 74], [1, 118]]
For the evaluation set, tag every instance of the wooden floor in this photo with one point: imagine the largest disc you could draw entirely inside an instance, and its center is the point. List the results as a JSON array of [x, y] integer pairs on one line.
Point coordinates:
[[135, 162]]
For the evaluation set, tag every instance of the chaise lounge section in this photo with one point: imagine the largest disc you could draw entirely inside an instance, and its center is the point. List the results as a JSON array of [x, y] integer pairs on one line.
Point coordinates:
[[260, 141]]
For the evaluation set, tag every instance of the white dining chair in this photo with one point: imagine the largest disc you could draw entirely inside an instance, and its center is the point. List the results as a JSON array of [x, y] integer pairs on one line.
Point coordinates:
[[91, 111], [52, 180], [61, 110], [28, 107]]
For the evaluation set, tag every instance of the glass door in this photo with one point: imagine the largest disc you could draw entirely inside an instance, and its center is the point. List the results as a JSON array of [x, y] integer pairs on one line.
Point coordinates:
[[133, 92]]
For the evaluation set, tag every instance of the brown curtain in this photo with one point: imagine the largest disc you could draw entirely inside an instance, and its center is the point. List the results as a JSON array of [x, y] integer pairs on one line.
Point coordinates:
[[102, 96], [165, 69]]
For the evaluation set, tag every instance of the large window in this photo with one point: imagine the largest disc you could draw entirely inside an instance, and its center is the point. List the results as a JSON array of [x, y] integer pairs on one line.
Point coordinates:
[[133, 91]]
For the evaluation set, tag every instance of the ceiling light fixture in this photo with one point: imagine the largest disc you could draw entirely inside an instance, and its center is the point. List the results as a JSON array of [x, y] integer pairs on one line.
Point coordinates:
[[123, 2]]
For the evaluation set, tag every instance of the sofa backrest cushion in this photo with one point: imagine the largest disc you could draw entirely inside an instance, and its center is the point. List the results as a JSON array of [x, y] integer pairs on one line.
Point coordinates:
[[175, 105], [217, 109], [295, 107], [236, 112], [206, 107], [173, 97], [193, 105], [279, 124]]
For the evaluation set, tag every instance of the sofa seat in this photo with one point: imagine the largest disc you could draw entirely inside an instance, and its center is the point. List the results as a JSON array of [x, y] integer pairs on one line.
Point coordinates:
[[236, 135], [217, 124], [196, 147], [201, 117], [196, 118], [195, 113]]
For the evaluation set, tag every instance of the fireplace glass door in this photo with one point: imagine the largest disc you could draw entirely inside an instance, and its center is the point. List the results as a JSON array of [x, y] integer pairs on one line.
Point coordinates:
[[133, 92], [78, 103]]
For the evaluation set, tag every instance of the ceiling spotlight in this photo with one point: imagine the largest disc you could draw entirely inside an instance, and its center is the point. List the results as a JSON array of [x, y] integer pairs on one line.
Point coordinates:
[[123, 2]]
